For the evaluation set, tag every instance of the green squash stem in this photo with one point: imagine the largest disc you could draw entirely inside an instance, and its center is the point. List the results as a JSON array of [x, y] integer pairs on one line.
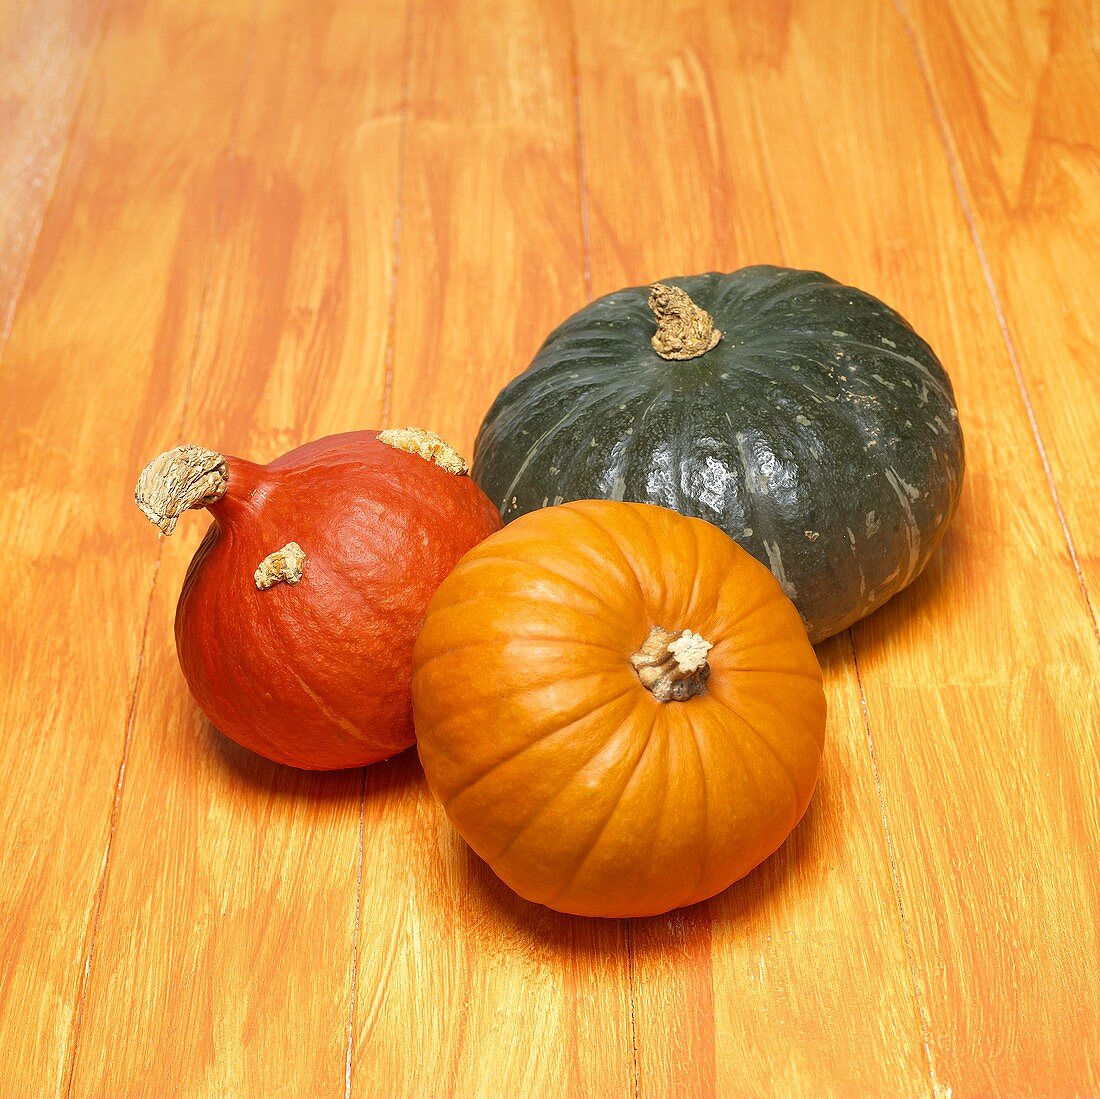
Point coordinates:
[[684, 330]]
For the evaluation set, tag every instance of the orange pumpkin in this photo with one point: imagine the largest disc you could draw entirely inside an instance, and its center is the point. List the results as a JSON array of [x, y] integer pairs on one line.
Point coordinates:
[[618, 707]]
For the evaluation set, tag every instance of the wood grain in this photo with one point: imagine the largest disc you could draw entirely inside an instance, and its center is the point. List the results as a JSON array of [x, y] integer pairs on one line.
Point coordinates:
[[732, 973], [45, 51], [981, 690], [464, 988], [102, 330], [241, 978], [1016, 89], [257, 222]]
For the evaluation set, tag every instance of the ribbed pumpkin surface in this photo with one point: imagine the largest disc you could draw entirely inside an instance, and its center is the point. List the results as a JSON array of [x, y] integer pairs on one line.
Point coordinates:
[[562, 771]]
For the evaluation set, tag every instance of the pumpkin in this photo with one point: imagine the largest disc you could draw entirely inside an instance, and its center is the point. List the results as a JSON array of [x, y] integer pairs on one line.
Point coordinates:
[[296, 622], [804, 417], [618, 708]]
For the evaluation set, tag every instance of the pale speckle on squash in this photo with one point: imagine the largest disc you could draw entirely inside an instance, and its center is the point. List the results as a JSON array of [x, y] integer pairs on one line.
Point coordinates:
[[775, 563]]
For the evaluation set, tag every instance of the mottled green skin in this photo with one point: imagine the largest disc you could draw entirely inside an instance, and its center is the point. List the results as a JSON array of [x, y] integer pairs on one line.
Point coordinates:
[[821, 432]]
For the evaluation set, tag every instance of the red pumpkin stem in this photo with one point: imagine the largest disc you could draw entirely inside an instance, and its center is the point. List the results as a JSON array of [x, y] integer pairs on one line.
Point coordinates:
[[194, 477], [185, 477], [672, 664]]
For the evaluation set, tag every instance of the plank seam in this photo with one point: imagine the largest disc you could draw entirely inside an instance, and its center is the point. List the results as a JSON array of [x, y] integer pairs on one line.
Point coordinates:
[[8, 323], [92, 933], [395, 240], [355, 937], [387, 401], [922, 1019], [628, 934], [895, 877], [586, 272], [116, 807], [955, 168]]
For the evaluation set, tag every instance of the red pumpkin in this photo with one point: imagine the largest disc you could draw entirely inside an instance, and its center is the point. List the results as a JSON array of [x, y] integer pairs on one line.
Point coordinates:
[[618, 708], [296, 622]]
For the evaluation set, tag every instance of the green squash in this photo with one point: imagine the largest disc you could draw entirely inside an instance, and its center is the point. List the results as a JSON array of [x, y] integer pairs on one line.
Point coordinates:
[[805, 418]]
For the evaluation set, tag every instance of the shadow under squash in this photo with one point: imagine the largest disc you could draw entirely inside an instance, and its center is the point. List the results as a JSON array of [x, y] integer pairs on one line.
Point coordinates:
[[944, 588], [251, 771], [786, 877], [499, 920]]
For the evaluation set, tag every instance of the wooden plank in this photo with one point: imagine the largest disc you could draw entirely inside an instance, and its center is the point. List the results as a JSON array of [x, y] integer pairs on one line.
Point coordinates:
[[95, 366], [243, 876], [221, 956], [45, 51], [1017, 87], [472, 991], [795, 981], [981, 681]]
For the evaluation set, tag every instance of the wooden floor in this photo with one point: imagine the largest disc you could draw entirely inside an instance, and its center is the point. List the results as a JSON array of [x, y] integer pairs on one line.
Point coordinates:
[[252, 222]]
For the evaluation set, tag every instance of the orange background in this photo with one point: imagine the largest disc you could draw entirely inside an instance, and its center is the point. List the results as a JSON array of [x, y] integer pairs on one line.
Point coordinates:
[[252, 222]]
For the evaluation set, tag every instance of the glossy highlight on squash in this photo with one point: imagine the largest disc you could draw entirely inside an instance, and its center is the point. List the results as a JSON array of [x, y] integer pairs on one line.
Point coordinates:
[[618, 708]]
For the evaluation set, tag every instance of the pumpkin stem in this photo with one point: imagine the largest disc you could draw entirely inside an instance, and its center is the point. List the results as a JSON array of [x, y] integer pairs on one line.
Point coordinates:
[[425, 444], [673, 666], [684, 330], [186, 477]]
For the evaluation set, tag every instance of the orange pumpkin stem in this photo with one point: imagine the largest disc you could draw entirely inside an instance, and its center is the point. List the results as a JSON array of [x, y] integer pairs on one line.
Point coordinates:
[[672, 664]]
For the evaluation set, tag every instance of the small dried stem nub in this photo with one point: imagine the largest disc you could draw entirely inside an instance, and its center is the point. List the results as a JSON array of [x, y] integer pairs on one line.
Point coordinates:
[[425, 444], [672, 664], [284, 566]]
